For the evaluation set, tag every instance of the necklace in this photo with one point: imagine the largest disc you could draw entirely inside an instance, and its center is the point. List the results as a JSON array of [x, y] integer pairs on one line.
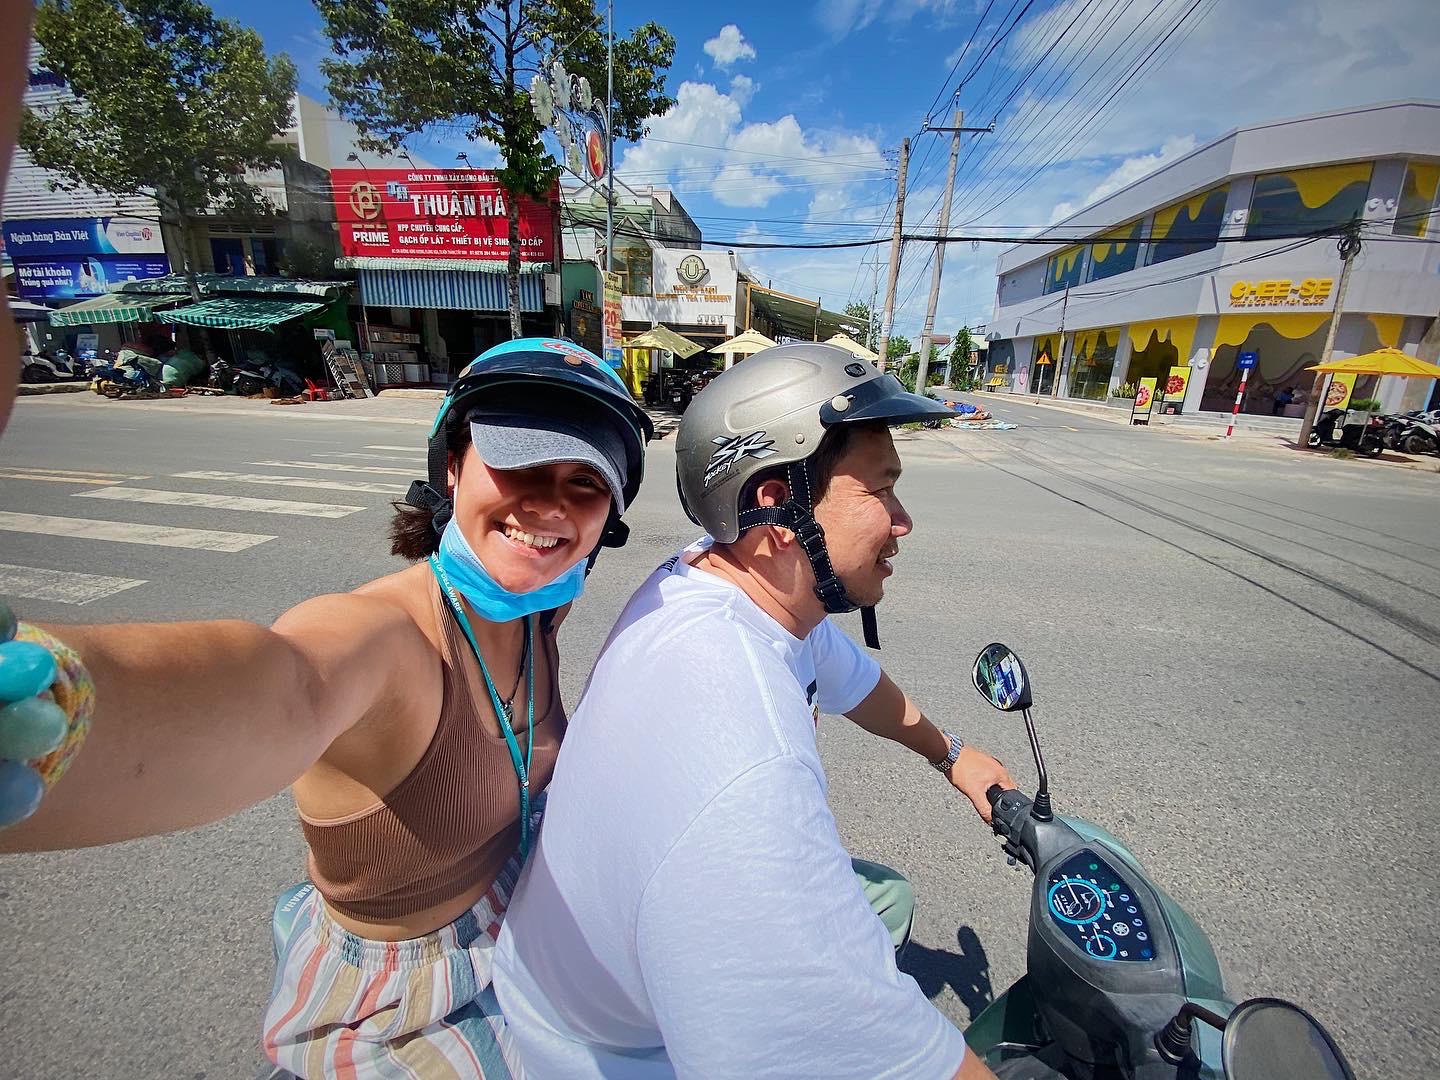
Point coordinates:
[[509, 703], [502, 713]]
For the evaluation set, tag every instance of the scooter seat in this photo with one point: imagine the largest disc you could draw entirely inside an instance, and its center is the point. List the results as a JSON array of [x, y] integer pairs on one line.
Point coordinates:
[[287, 909]]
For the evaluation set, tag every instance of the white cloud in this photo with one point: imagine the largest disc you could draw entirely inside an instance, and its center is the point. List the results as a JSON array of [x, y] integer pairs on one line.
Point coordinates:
[[729, 47], [1127, 172], [841, 17], [742, 89]]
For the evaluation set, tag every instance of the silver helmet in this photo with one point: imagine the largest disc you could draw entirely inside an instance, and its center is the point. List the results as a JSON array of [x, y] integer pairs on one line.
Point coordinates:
[[772, 410]]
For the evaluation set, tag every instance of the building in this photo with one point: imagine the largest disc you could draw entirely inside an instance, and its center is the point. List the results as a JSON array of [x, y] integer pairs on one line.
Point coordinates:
[[1205, 258]]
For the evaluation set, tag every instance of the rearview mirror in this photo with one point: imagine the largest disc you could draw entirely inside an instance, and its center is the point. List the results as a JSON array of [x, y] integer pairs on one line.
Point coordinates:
[[1000, 677], [1270, 1039]]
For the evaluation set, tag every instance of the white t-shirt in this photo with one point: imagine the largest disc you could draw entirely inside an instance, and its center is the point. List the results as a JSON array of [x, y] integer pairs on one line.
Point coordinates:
[[689, 909]]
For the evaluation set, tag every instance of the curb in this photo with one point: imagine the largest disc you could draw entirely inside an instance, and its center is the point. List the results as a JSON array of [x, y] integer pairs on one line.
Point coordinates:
[[28, 389], [414, 393]]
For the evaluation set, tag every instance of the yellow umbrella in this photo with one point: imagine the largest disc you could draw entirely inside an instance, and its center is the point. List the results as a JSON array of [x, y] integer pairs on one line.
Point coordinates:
[[662, 337], [751, 341], [1381, 362], [849, 344]]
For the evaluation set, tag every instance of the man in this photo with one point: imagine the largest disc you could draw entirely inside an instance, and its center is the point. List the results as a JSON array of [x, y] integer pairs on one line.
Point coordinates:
[[689, 909]]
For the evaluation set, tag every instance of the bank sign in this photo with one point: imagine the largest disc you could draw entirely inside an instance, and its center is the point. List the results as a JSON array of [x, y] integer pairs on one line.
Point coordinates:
[[441, 214], [74, 258]]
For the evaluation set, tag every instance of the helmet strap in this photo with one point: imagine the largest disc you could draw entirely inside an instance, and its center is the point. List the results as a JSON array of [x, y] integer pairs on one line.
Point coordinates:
[[432, 496], [797, 514]]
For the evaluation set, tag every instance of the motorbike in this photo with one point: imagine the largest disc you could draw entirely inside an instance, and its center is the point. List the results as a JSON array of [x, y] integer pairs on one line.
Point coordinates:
[[51, 367], [1120, 983], [1330, 430], [1400, 427]]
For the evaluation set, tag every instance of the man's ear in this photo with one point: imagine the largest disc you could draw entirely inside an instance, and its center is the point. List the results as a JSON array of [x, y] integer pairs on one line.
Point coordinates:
[[772, 493]]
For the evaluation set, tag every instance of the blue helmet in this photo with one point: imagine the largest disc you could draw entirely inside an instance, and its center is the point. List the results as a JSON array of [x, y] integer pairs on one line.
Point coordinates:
[[552, 367]]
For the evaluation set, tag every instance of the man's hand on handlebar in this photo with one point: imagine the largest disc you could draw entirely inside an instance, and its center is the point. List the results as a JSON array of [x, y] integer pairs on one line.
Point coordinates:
[[975, 771]]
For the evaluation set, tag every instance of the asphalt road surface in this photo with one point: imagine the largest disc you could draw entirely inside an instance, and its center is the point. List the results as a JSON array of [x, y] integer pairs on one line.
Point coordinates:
[[1236, 654]]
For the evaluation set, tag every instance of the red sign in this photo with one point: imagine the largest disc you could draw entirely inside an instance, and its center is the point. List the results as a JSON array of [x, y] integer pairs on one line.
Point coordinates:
[[440, 214]]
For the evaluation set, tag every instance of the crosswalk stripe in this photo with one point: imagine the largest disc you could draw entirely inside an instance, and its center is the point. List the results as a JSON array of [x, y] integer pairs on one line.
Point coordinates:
[[332, 466], [407, 449], [60, 586], [293, 481], [56, 479], [123, 532], [73, 472], [221, 502], [419, 463]]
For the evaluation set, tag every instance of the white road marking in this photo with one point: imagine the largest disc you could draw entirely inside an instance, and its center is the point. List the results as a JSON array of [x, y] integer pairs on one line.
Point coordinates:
[[221, 502], [56, 479], [74, 472], [60, 586], [293, 481], [332, 466], [123, 532], [407, 449], [419, 463]]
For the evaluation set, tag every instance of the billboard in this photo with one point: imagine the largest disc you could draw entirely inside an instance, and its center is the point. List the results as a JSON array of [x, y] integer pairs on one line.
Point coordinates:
[[82, 276], [47, 238], [435, 214]]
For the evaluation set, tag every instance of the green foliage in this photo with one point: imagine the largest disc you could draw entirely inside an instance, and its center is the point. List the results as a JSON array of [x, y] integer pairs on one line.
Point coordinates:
[[869, 336], [896, 347], [412, 65], [170, 99], [1367, 405], [907, 371], [1126, 390], [961, 356]]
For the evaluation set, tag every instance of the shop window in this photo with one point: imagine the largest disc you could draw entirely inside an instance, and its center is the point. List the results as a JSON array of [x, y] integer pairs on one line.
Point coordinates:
[[1092, 361], [1045, 364], [1064, 269], [1304, 200], [636, 267], [1189, 226], [1417, 197], [1114, 253]]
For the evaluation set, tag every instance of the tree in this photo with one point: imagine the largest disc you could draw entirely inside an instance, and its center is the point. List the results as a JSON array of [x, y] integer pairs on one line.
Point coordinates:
[[862, 314], [170, 99], [408, 65]]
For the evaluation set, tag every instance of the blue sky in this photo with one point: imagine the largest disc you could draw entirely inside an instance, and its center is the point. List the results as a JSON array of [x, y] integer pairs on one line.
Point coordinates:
[[789, 114]]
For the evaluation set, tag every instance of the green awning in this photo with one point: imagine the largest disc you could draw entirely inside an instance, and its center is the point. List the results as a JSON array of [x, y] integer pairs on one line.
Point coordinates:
[[235, 284], [113, 308], [236, 313]]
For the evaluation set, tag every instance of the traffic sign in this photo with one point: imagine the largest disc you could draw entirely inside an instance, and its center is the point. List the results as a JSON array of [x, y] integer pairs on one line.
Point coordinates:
[[1247, 360]]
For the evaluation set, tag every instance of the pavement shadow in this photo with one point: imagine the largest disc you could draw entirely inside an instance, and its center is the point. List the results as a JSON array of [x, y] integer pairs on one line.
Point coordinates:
[[966, 971]]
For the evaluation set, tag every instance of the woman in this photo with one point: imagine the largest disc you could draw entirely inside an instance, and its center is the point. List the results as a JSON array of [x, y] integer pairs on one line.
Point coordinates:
[[418, 719]]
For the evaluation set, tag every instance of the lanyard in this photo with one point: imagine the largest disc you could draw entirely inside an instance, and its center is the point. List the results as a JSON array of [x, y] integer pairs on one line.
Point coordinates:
[[522, 765]]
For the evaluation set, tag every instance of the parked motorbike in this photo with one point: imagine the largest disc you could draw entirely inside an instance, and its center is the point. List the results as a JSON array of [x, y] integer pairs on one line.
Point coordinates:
[[1398, 427], [1120, 983], [1330, 430], [51, 367]]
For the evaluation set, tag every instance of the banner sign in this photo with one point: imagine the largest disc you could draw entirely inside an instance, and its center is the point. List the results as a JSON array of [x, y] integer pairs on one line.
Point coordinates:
[[1144, 402], [614, 352], [1176, 383], [1337, 394], [46, 238], [441, 214], [76, 279]]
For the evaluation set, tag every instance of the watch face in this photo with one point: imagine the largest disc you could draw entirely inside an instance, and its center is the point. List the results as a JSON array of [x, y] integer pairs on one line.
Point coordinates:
[[692, 270]]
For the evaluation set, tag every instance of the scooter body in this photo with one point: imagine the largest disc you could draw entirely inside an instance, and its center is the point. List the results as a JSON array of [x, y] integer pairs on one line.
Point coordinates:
[[1121, 983]]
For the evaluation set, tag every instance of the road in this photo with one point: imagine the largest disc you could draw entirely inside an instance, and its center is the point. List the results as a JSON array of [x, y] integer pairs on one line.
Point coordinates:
[[1236, 655]]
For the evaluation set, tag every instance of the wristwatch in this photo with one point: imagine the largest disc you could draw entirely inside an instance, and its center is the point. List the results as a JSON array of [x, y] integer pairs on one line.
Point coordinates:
[[949, 759]]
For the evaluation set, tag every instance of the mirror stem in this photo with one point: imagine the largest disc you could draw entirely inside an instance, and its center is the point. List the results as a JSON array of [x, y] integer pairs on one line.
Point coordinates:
[[1173, 1041], [1040, 810]]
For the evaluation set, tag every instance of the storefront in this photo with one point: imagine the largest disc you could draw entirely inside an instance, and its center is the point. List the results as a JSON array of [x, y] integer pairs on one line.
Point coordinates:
[[1205, 259], [61, 260], [693, 293], [432, 248]]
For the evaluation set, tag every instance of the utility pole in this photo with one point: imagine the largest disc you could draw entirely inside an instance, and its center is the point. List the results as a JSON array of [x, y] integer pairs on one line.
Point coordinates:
[[1349, 247], [889, 318], [610, 141], [922, 370]]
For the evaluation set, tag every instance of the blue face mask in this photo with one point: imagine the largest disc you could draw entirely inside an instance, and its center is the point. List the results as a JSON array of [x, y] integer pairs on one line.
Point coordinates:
[[463, 569]]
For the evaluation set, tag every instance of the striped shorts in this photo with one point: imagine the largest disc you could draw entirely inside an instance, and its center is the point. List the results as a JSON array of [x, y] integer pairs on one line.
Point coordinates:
[[423, 1009]]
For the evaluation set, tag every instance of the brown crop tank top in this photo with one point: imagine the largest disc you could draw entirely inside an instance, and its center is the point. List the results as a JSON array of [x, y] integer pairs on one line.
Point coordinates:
[[454, 821]]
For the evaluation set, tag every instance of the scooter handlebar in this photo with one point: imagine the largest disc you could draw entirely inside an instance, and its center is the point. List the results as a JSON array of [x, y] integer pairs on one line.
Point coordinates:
[[993, 793]]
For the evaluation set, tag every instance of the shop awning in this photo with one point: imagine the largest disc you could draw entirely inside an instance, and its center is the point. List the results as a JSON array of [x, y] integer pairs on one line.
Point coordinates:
[[114, 308], [450, 290], [796, 317], [240, 313], [235, 284]]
